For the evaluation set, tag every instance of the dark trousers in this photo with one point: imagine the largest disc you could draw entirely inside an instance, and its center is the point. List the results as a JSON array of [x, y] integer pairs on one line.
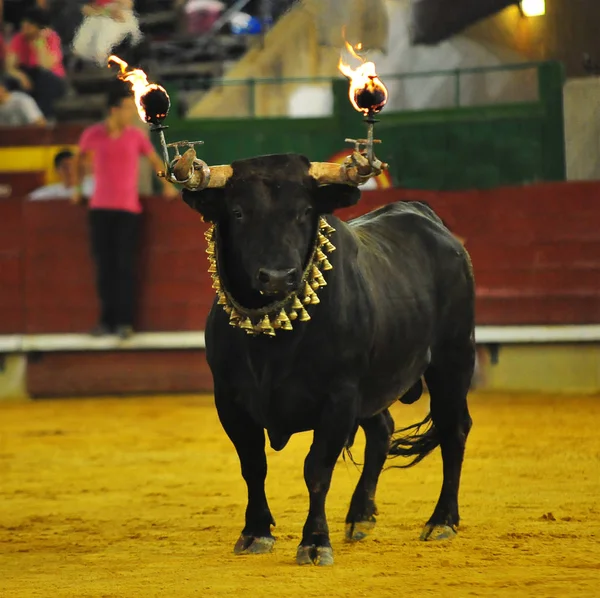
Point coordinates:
[[47, 88], [114, 235]]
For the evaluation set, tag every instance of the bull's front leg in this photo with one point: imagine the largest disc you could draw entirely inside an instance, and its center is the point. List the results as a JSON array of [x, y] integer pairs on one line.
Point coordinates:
[[330, 436], [249, 441]]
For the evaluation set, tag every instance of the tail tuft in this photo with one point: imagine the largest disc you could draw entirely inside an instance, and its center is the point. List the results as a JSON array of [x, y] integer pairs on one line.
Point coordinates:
[[347, 452], [412, 442]]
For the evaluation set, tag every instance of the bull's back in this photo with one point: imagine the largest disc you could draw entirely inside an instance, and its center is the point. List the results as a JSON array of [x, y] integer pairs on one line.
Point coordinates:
[[400, 250]]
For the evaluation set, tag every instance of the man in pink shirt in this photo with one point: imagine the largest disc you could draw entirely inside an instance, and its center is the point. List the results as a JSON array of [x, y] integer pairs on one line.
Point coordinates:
[[115, 148], [35, 60]]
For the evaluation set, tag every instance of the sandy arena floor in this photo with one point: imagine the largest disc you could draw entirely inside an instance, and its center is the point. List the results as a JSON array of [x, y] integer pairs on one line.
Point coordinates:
[[143, 497]]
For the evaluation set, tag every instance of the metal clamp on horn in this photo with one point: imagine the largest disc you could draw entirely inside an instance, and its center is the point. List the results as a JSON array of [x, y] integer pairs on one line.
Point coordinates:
[[182, 168]]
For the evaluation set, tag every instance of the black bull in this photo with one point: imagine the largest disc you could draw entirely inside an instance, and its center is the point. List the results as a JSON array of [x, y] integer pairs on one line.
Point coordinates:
[[398, 306]]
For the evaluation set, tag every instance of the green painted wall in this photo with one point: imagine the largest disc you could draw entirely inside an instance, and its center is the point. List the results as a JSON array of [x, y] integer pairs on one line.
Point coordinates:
[[460, 148]]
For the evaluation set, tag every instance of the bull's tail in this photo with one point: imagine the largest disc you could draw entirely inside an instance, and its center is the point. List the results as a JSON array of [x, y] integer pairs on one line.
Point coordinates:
[[347, 452], [414, 442]]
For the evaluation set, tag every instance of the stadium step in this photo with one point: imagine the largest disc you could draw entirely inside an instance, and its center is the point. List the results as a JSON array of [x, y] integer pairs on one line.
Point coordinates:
[[158, 20], [81, 108]]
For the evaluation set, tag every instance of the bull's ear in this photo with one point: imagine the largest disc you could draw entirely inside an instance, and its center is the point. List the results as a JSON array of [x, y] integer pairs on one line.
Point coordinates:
[[333, 197], [209, 202]]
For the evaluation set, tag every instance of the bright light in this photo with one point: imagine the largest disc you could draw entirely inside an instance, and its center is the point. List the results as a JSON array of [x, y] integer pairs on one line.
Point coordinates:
[[534, 8]]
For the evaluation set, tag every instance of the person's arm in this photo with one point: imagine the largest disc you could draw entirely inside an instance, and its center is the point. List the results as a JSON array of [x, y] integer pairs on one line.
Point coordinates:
[[92, 10], [32, 112], [147, 149], [116, 10], [169, 190], [87, 187], [82, 168], [12, 66], [48, 50]]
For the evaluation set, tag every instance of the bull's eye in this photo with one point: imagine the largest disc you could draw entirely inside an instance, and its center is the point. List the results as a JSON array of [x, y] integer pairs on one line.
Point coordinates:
[[307, 212], [237, 213]]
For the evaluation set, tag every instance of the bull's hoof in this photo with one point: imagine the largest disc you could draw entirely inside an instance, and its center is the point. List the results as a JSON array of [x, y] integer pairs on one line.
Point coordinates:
[[359, 530], [252, 545], [315, 555], [438, 532]]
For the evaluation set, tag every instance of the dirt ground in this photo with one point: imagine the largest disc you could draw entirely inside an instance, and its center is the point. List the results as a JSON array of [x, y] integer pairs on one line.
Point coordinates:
[[142, 497]]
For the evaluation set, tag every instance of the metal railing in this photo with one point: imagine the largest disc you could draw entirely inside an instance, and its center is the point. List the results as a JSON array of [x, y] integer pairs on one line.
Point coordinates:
[[456, 88]]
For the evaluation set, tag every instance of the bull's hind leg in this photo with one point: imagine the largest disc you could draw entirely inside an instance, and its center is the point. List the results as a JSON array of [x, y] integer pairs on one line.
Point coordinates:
[[361, 515], [448, 379], [249, 441]]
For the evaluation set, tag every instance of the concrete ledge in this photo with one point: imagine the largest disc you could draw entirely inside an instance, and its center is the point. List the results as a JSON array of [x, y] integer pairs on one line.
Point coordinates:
[[589, 333], [572, 368], [10, 343], [195, 339], [85, 342]]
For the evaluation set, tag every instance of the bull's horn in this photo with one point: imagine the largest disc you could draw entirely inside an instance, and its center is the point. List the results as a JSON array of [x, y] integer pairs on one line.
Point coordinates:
[[194, 174], [354, 171]]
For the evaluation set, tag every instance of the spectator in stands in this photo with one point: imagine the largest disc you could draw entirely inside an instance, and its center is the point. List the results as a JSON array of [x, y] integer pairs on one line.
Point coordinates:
[[65, 18], [12, 11], [106, 24], [201, 15], [116, 147], [17, 109], [65, 167], [35, 60]]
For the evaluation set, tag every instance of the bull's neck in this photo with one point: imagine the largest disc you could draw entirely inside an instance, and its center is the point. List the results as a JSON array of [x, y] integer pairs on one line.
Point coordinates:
[[278, 315]]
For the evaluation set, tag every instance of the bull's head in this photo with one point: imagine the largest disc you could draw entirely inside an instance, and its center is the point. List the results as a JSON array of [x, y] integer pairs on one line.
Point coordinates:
[[267, 211]]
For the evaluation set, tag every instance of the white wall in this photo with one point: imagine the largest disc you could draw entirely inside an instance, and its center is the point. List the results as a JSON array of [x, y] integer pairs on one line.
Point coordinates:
[[439, 92], [582, 128]]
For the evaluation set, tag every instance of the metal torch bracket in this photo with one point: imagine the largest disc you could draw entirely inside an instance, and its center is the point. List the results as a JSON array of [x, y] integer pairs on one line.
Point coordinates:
[[170, 163], [364, 148], [197, 165]]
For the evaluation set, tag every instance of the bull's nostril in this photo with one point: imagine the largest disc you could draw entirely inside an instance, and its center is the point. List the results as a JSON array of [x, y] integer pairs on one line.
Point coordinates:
[[263, 276], [277, 280]]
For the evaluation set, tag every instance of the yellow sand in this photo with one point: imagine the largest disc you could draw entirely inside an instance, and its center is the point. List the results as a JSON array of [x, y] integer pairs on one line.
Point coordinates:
[[143, 497]]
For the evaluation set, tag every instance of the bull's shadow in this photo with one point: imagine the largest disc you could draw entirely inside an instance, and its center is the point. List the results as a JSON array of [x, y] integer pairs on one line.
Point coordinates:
[[322, 325]]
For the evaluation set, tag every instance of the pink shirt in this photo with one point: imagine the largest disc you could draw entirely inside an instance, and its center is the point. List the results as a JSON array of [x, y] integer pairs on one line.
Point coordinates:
[[27, 55], [116, 166]]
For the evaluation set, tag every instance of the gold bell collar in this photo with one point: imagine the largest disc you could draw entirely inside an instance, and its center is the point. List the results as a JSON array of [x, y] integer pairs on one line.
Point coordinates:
[[281, 314]]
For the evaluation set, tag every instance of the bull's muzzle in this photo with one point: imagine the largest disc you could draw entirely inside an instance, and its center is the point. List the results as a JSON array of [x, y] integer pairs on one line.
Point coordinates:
[[273, 282]]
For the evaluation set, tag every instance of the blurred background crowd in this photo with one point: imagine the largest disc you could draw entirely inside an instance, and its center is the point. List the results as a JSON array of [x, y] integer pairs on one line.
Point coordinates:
[[52, 66]]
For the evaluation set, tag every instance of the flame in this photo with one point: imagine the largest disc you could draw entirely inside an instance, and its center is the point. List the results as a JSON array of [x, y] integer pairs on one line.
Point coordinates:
[[367, 92], [139, 84]]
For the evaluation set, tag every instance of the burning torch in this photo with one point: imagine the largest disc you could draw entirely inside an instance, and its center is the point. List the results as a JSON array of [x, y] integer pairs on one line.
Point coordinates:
[[369, 96], [367, 93], [153, 104]]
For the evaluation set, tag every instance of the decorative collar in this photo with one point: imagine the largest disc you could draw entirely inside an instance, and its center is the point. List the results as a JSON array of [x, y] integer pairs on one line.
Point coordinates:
[[278, 315]]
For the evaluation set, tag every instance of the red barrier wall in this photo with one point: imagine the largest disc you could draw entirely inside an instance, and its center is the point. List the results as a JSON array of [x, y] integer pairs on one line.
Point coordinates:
[[12, 273], [59, 284], [118, 373], [535, 250]]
